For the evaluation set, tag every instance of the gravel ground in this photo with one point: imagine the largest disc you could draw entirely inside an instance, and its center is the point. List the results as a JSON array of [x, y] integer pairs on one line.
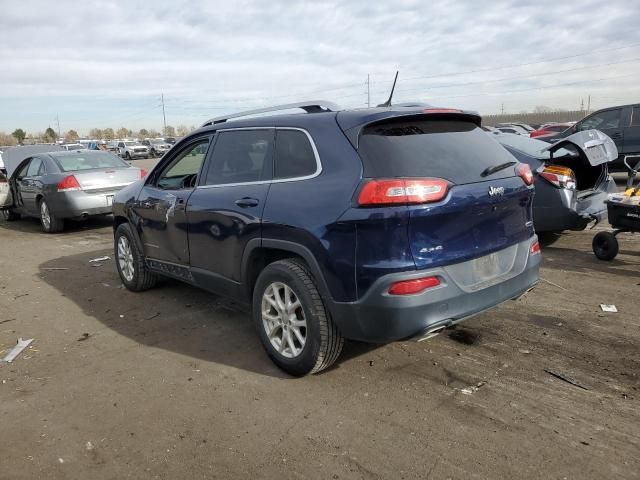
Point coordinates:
[[173, 383]]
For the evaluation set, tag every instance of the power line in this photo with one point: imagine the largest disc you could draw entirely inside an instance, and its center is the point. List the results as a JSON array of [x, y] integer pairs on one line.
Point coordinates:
[[527, 64]]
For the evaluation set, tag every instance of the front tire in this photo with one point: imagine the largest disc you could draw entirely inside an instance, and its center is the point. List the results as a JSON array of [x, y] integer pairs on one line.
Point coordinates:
[[50, 223], [294, 326], [605, 246], [10, 216], [130, 262], [127, 156]]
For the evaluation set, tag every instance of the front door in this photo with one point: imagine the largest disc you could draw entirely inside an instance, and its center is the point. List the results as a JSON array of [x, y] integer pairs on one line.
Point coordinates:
[[30, 185], [225, 211], [162, 201]]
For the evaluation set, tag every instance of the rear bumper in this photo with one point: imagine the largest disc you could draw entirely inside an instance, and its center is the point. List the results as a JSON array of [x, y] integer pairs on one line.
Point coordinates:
[[80, 203], [380, 317]]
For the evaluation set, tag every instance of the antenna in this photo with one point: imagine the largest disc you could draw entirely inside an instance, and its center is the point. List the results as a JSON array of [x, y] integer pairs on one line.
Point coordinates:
[[388, 102]]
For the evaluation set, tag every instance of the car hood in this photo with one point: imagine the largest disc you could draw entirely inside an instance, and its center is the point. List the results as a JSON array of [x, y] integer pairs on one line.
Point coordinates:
[[13, 156], [597, 146]]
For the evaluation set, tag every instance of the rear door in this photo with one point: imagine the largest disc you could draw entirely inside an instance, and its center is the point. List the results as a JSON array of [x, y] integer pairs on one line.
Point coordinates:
[[161, 204], [486, 208], [225, 211]]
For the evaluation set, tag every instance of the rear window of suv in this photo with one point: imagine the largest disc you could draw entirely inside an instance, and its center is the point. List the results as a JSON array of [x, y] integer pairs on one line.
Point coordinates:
[[455, 150]]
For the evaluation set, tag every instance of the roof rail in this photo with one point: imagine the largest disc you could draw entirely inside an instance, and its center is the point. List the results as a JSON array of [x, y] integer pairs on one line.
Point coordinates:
[[310, 106]]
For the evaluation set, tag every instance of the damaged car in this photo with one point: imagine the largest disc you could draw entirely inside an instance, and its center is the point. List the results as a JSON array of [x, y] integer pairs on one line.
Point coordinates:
[[572, 178], [335, 224], [56, 186]]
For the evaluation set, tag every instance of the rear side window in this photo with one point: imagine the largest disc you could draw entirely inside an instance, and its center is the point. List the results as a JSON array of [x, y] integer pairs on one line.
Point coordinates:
[[455, 150], [635, 117], [241, 156], [294, 156]]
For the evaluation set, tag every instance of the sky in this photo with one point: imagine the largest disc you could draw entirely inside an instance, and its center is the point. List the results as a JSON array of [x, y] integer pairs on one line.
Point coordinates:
[[108, 63]]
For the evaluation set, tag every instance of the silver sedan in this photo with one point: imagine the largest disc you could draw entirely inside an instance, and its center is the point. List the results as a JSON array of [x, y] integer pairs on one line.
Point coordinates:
[[64, 185]]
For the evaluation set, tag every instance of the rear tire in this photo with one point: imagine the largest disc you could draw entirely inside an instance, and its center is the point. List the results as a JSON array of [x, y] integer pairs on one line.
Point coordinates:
[[605, 246], [50, 223], [130, 262], [288, 308]]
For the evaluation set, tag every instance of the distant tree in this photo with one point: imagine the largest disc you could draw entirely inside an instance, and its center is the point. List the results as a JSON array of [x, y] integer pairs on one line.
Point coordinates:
[[96, 133], [153, 133], [169, 131], [71, 136], [50, 135], [19, 135], [107, 134], [192, 128], [542, 109], [122, 132], [182, 130], [143, 133], [7, 140]]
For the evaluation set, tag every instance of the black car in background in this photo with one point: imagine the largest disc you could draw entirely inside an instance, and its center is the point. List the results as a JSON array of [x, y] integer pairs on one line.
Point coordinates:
[[621, 124]]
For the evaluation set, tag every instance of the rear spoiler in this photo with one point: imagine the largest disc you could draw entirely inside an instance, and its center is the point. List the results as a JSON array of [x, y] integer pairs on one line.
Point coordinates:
[[597, 146], [353, 121]]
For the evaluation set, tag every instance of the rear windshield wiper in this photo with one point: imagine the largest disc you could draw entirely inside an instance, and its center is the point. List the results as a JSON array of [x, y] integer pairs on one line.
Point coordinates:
[[496, 168]]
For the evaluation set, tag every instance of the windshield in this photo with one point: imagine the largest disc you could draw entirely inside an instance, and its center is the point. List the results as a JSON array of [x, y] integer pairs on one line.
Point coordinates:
[[157, 142], [130, 144], [93, 159], [530, 146]]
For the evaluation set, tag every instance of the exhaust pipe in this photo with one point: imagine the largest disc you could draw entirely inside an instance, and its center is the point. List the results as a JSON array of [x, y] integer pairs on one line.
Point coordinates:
[[432, 331]]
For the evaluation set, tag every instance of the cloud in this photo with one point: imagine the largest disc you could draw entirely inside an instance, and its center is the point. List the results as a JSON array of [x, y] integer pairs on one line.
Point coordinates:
[[211, 57]]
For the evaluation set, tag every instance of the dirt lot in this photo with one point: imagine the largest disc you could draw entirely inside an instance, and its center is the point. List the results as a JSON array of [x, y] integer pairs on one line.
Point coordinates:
[[173, 383]]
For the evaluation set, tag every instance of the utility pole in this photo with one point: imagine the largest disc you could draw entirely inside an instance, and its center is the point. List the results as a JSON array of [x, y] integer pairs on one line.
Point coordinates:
[[582, 105], [589, 104], [368, 92], [502, 108], [58, 121], [164, 118]]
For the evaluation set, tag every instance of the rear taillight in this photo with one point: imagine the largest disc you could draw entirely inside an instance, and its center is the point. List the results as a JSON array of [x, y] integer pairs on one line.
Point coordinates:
[[411, 287], [524, 172], [403, 191], [561, 177], [143, 173], [535, 248], [68, 184]]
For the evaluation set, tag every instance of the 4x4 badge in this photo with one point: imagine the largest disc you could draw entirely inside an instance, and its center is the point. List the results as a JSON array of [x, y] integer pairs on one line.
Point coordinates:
[[493, 191]]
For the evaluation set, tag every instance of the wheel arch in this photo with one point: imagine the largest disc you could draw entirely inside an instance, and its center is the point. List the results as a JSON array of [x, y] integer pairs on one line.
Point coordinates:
[[261, 252]]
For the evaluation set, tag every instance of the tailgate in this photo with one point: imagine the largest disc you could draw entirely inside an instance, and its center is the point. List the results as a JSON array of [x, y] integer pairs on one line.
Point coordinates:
[[472, 223]]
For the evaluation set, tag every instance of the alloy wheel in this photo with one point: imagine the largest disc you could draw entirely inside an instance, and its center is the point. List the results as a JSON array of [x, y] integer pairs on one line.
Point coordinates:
[[45, 216], [125, 258], [284, 320]]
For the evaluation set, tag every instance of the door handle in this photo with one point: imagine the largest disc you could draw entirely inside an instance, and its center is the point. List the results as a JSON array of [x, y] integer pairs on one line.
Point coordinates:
[[247, 202], [616, 135]]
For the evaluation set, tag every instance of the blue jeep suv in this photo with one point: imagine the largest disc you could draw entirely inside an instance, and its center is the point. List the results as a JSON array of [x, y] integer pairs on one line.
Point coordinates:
[[374, 224]]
